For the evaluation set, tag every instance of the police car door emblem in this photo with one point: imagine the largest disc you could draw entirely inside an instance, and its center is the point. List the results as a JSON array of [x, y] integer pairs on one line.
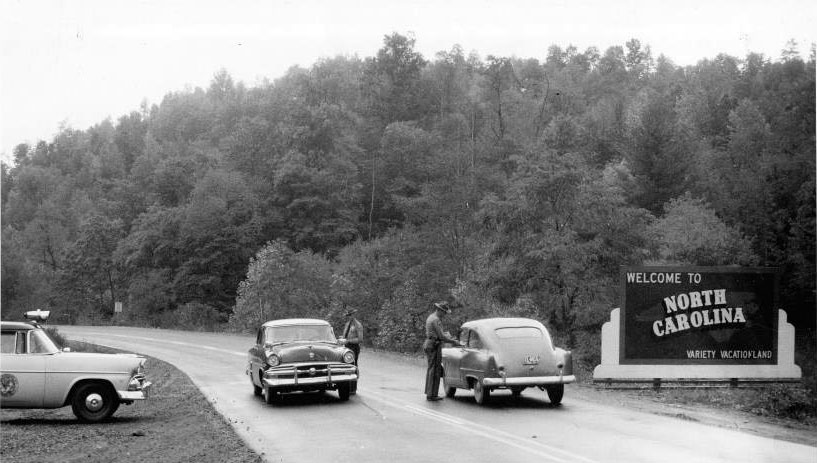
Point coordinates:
[[8, 385]]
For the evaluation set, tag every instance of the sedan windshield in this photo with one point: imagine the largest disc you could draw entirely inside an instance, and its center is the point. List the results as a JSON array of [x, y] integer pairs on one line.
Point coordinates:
[[299, 333]]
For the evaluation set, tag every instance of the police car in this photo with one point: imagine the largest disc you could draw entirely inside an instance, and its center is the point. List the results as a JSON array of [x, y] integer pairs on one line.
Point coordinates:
[[36, 373]]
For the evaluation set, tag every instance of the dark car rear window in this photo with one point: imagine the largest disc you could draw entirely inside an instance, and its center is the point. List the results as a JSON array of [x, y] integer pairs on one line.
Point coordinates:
[[519, 332]]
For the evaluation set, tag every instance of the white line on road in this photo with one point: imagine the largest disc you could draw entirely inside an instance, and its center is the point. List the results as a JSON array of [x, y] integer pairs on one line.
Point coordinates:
[[536, 448]]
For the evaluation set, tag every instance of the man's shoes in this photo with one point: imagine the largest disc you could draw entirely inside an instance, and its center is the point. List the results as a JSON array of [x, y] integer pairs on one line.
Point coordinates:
[[433, 399]]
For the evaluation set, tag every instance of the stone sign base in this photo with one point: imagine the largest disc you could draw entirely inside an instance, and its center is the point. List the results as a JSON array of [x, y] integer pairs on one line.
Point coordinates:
[[611, 370]]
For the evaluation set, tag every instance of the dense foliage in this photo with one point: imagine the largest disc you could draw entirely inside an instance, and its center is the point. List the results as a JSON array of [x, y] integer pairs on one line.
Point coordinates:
[[519, 186]]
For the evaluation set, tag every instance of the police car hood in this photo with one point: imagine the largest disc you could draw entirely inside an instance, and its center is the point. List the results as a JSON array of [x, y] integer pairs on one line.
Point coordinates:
[[96, 362]]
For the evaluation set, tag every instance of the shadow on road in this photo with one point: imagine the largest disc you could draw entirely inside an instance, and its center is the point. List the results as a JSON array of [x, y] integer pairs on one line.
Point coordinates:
[[528, 401], [302, 399]]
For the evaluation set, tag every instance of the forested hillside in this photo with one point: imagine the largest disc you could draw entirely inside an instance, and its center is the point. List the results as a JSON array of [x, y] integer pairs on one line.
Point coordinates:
[[383, 183]]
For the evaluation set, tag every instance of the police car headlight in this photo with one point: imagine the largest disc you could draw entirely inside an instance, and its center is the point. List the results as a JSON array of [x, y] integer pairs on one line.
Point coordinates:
[[273, 360], [349, 357]]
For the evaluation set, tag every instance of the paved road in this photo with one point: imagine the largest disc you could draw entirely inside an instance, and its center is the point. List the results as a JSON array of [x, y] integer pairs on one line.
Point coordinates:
[[389, 419]]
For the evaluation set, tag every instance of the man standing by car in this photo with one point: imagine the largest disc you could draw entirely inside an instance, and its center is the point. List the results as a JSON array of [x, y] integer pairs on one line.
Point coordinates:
[[435, 336], [353, 333]]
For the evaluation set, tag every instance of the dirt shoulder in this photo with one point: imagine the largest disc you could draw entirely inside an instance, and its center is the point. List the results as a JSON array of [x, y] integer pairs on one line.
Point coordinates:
[[176, 424]]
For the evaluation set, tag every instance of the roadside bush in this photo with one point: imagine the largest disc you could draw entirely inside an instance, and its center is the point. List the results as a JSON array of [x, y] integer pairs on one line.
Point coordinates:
[[586, 354], [194, 316], [401, 323], [786, 401]]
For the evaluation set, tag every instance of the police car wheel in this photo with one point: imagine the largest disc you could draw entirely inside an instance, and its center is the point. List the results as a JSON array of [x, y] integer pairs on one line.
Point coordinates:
[[93, 402]]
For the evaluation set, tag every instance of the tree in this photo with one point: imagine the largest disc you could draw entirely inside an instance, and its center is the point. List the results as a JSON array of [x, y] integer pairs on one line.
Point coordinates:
[[90, 277], [391, 80], [658, 154], [556, 240], [690, 233], [130, 135], [281, 283], [219, 231]]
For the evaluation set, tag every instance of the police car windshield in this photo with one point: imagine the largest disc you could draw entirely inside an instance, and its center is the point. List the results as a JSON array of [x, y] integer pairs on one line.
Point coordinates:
[[299, 333], [40, 343]]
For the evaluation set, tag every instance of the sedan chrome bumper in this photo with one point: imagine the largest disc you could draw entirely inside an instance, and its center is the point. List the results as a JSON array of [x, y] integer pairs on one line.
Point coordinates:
[[141, 394], [528, 381]]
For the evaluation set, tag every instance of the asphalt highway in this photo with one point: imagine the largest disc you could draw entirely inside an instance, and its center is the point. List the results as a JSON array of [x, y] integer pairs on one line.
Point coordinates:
[[390, 421]]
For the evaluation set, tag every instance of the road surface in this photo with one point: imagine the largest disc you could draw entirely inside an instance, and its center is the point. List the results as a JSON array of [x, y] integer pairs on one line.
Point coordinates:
[[389, 419]]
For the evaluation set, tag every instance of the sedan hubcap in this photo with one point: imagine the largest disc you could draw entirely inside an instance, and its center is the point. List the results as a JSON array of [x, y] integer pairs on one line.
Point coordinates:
[[93, 402]]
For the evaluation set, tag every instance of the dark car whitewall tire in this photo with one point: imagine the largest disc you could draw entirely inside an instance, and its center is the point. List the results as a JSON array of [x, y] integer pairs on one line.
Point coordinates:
[[344, 391], [270, 395]]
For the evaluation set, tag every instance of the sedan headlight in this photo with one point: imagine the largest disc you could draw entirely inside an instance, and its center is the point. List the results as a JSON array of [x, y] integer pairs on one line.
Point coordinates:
[[349, 357], [273, 360]]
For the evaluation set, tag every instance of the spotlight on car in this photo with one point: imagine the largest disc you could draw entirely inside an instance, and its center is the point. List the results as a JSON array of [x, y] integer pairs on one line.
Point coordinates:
[[37, 315]]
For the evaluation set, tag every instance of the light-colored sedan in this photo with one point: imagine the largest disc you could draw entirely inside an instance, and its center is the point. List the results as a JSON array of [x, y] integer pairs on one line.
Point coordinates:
[[506, 353], [35, 373]]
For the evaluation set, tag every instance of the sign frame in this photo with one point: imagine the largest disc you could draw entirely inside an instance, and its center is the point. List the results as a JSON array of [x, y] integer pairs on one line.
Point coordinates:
[[616, 366]]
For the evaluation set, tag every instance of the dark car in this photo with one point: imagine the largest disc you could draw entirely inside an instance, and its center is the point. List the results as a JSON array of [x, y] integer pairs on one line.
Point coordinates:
[[300, 354], [506, 353]]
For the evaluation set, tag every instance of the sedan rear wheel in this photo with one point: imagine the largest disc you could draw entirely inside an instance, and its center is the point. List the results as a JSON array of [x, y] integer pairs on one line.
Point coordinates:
[[93, 402], [555, 393], [481, 393], [449, 390]]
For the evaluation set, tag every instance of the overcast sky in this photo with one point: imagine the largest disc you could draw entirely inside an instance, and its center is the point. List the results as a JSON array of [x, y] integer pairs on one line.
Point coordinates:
[[78, 62]]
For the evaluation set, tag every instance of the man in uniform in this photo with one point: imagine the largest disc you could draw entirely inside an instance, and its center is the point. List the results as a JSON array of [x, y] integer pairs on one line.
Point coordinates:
[[435, 336], [353, 333]]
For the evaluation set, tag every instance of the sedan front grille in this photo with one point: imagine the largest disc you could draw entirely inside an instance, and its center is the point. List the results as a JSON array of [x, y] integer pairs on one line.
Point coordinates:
[[309, 370]]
